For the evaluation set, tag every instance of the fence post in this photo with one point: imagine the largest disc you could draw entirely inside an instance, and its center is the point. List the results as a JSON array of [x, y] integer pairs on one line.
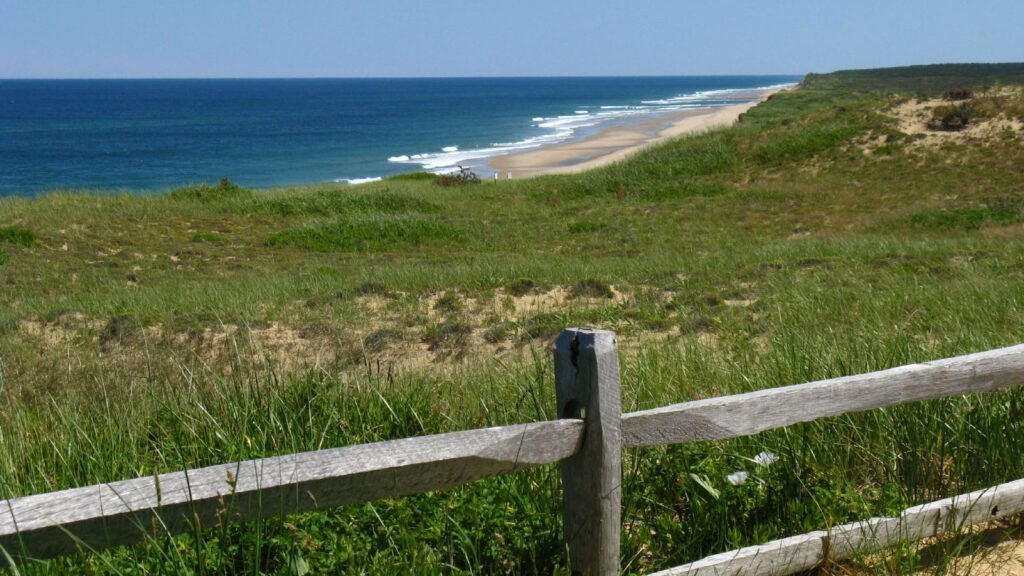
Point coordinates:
[[587, 387]]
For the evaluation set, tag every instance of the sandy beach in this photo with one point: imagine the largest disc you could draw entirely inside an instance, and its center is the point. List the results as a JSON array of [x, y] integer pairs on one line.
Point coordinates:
[[620, 141]]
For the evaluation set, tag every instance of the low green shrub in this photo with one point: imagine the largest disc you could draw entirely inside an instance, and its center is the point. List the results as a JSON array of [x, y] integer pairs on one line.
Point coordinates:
[[209, 238], [448, 303], [450, 335], [585, 226], [16, 235], [371, 289], [543, 326], [224, 190], [331, 202], [1000, 211], [954, 94], [802, 142], [412, 177], [463, 177], [520, 286], [592, 288], [950, 117], [367, 233]]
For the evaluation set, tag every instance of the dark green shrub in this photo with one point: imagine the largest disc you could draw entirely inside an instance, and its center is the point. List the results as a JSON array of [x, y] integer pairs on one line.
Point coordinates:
[[999, 211], [371, 289], [413, 177], [584, 226], [117, 330], [520, 286], [331, 202], [498, 333], [801, 142], [16, 235], [954, 94], [222, 191], [364, 234], [950, 118], [689, 188], [448, 335], [463, 177], [448, 303], [592, 288], [544, 326], [379, 340], [209, 238]]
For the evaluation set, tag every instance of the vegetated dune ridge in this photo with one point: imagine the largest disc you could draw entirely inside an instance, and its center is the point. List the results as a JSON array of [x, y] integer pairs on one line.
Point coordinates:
[[863, 221]]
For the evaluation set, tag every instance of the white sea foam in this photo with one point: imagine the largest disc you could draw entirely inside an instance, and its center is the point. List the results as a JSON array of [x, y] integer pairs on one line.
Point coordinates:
[[560, 128], [740, 94], [355, 181]]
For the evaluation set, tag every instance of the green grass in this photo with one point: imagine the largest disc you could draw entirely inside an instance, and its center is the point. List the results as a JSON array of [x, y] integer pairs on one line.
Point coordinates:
[[997, 212], [364, 234], [16, 235], [148, 334]]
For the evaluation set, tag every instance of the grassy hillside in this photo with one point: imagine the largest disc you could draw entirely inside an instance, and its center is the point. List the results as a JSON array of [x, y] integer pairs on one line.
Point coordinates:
[[838, 229]]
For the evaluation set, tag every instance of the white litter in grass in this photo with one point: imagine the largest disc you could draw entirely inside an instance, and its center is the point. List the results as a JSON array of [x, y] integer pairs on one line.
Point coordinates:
[[737, 478]]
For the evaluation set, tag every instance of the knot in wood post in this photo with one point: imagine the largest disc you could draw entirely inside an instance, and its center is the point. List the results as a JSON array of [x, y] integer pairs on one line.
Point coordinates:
[[587, 387]]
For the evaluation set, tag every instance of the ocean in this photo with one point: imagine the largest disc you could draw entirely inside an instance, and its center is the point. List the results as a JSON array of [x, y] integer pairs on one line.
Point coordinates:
[[152, 135]]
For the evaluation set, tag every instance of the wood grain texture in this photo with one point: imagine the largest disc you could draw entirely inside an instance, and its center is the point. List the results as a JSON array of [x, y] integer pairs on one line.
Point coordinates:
[[745, 414], [587, 385], [806, 551], [123, 512]]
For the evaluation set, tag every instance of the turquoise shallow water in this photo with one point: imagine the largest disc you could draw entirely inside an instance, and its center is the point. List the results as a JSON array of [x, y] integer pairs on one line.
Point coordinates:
[[147, 135]]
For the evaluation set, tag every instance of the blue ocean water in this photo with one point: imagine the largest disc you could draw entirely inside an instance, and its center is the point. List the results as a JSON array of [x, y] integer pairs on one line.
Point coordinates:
[[147, 135]]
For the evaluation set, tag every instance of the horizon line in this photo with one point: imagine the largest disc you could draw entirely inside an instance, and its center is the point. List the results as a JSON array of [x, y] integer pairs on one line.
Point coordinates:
[[496, 77]]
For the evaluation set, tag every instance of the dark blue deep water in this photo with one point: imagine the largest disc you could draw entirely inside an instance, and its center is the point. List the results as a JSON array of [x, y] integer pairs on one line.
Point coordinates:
[[156, 134]]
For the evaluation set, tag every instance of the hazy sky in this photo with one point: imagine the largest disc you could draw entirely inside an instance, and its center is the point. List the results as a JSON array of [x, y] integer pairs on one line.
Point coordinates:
[[271, 38]]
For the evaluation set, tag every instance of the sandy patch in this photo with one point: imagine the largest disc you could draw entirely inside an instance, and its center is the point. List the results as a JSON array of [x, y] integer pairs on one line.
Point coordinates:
[[739, 303], [438, 331], [1003, 559], [998, 551], [287, 348], [59, 330], [914, 116]]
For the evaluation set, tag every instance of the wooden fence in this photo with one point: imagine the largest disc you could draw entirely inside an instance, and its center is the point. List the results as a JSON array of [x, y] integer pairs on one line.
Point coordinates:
[[587, 441]]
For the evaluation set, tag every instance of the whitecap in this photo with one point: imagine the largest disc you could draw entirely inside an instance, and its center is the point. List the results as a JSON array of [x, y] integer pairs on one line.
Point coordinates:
[[402, 158], [355, 181], [450, 149]]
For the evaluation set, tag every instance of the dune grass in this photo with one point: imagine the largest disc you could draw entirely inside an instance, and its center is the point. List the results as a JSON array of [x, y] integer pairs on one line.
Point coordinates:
[[213, 323]]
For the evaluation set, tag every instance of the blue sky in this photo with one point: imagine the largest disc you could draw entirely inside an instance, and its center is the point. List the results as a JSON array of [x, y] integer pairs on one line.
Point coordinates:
[[270, 38]]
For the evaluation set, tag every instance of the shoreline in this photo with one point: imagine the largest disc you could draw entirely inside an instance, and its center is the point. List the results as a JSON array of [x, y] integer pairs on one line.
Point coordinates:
[[620, 141]]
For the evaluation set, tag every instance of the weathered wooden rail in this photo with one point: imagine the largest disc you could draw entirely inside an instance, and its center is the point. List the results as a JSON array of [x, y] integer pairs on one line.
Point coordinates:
[[587, 441]]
